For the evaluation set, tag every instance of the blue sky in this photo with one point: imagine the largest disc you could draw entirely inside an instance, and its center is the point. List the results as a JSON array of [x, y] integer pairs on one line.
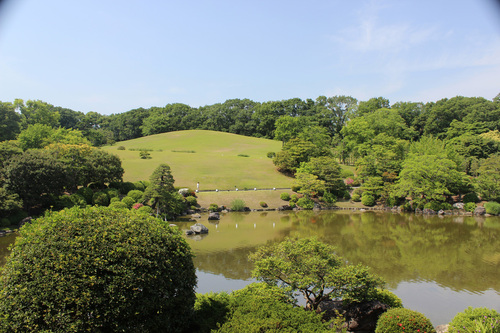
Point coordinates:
[[112, 56]]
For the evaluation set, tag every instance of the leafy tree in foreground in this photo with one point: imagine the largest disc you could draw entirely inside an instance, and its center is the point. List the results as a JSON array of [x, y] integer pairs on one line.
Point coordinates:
[[312, 268], [98, 270]]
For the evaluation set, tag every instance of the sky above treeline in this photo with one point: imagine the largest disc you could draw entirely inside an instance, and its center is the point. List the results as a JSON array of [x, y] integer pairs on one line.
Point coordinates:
[[114, 56]]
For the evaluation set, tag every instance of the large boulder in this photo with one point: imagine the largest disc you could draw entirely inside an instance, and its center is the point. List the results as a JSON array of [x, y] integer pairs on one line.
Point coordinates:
[[359, 317], [199, 228], [429, 211], [480, 210], [214, 216]]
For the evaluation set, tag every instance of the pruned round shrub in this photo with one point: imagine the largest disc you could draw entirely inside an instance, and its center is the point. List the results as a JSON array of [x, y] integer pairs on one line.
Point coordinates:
[[263, 204], [470, 197], [367, 199], [213, 207], [126, 187], [147, 210], [470, 206], [475, 320], [100, 199], [112, 193], [386, 297], [403, 320], [285, 196], [329, 198], [295, 188], [114, 199], [260, 307], [356, 197], [128, 201], [118, 205], [121, 148], [78, 200], [238, 205], [294, 198], [434, 205], [139, 186], [191, 200], [86, 193], [271, 154], [136, 195], [97, 269], [305, 203], [347, 195], [492, 208]]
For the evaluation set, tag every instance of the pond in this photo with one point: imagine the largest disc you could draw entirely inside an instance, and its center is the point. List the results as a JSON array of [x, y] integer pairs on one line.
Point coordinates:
[[437, 265]]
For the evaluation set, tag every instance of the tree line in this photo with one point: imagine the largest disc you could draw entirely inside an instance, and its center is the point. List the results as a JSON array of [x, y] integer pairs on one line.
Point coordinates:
[[426, 151]]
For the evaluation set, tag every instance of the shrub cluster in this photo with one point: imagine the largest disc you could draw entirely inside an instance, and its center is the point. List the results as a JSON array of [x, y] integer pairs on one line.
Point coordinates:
[[285, 196], [403, 320], [492, 208], [367, 199], [470, 206], [305, 203], [470, 197], [476, 320]]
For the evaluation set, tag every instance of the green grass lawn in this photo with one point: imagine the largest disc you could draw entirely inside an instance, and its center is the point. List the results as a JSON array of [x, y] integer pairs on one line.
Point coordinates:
[[215, 163]]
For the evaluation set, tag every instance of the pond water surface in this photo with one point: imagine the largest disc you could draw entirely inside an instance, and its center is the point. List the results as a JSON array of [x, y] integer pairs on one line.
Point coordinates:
[[437, 265]]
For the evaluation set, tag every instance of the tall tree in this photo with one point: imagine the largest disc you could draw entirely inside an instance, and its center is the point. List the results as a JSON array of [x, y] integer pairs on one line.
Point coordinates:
[[10, 122], [161, 193], [333, 112], [37, 112]]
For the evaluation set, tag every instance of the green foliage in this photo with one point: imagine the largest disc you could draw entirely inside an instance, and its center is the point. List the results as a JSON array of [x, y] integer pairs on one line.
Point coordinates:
[[145, 210], [470, 206], [238, 205], [488, 181], [36, 173], [4, 222], [128, 201], [386, 297], [403, 320], [470, 197], [329, 198], [144, 154], [263, 204], [285, 196], [100, 199], [438, 205], [305, 203], [136, 195], [86, 193], [9, 202], [356, 197], [213, 207], [492, 208], [123, 187], [368, 199], [140, 186], [312, 268], [121, 148], [112, 193], [11, 121], [191, 200], [243, 155], [309, 184], [209, 310], [114, 199], [99, 270], [161, 194], [78, 200], [263, 308], [119, 205], [476, 320], [271, 154]]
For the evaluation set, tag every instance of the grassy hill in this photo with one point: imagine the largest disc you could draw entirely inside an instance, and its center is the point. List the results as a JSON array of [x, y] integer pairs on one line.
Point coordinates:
[[211, 158]]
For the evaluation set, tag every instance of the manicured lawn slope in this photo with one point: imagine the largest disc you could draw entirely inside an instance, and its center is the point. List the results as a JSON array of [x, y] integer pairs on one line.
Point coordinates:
[[215, 162]]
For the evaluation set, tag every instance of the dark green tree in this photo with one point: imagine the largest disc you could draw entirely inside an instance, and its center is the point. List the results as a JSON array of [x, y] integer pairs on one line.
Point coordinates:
[[312, 268], [34, 174], [97, 270], [161, 194], [10, 122]]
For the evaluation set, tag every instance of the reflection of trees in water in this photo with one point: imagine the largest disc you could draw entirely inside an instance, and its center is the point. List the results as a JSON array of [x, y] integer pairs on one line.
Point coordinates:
[[233, 264], [407, 247]]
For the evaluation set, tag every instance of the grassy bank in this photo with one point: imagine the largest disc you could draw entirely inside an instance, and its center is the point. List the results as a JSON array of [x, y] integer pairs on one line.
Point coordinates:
[[216, 160]]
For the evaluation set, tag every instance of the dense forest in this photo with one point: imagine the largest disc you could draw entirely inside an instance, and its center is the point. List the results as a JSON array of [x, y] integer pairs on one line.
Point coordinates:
[[428, 152]]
